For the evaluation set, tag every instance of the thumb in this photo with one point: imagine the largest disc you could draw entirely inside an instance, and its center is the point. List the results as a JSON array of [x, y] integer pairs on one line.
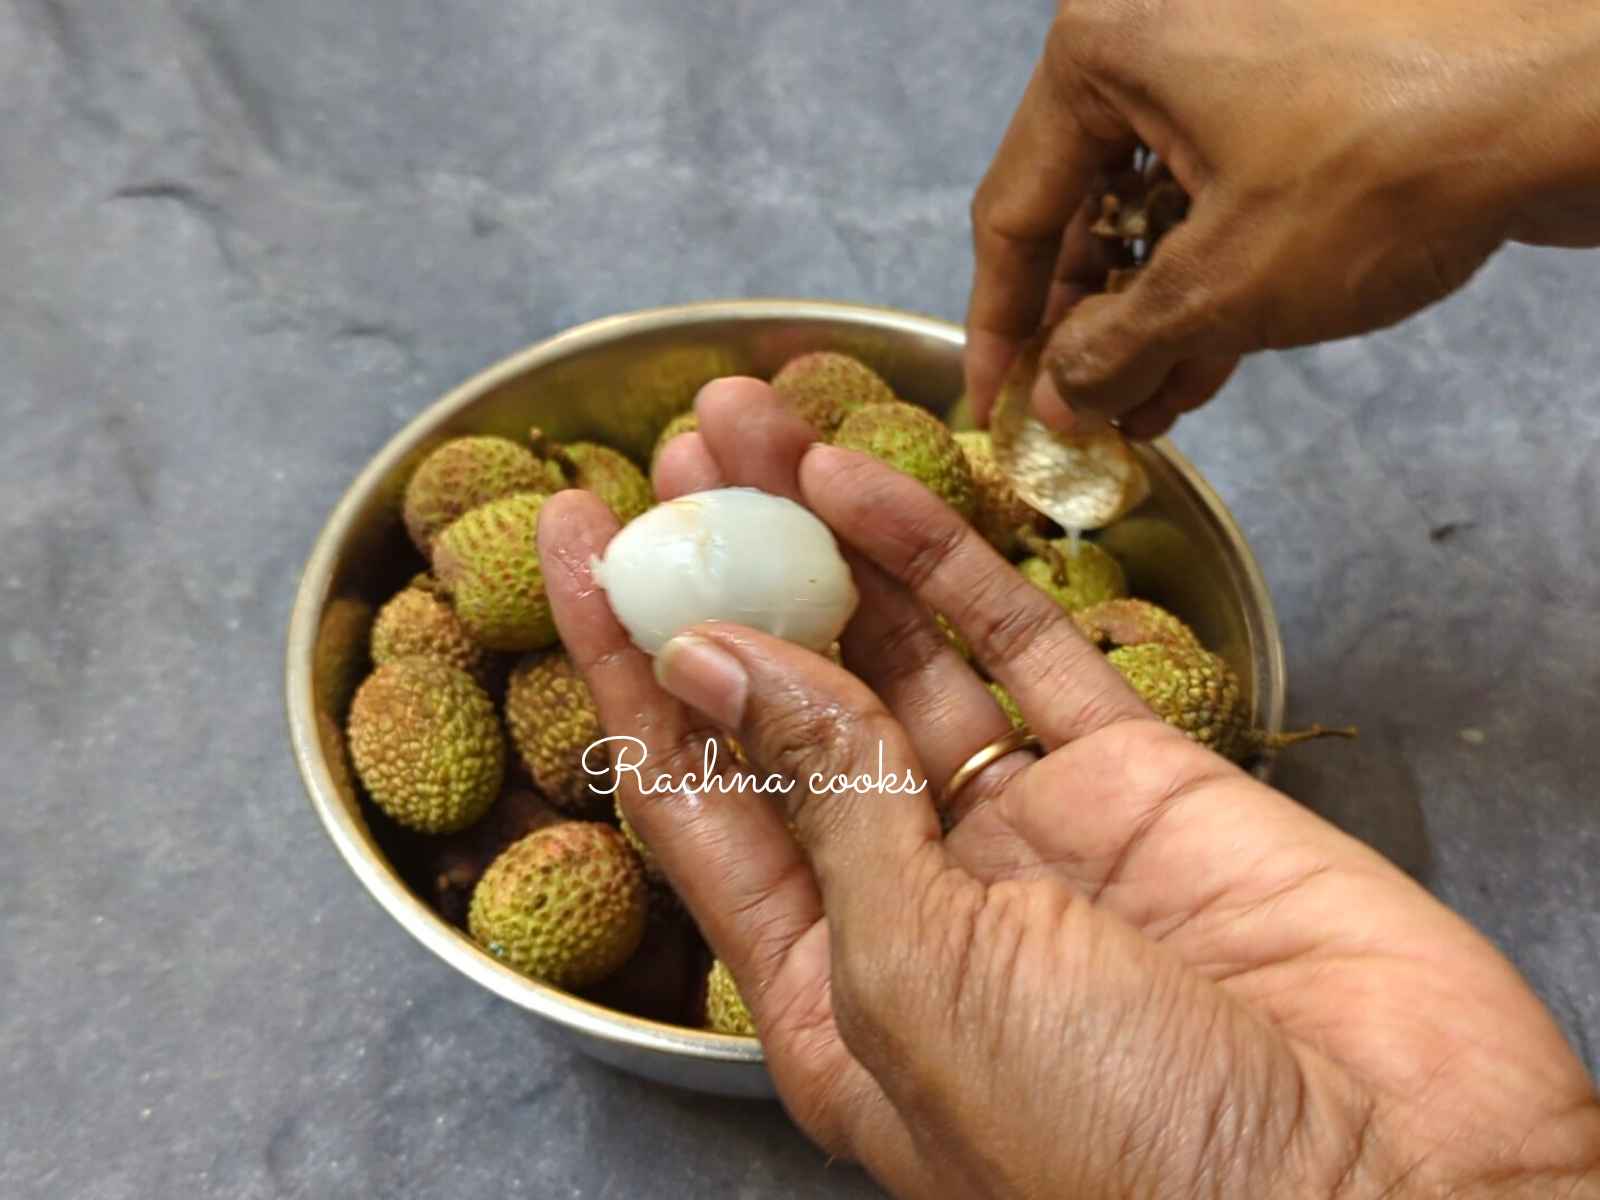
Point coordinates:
[[1114, 352]]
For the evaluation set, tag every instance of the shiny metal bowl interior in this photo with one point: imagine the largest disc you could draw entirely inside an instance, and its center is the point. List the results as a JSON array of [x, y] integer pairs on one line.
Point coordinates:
[[619, 380]]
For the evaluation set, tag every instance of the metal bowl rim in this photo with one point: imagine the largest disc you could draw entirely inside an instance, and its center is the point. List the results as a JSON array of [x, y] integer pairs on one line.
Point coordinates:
[[572, 1012]]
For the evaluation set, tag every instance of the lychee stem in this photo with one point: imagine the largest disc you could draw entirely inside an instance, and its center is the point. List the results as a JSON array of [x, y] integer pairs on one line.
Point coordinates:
[[548, 449], [1277, 741], [1060, 572]]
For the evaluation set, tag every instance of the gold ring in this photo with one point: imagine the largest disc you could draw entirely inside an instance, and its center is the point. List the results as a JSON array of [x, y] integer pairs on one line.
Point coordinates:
[[1017, 739]]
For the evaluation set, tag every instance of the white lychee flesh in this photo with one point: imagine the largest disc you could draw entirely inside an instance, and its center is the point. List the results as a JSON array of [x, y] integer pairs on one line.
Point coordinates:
[[733, 554]]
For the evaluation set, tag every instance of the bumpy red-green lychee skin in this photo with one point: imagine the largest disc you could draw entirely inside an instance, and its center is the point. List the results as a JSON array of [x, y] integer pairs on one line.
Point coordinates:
[[823, 388], [1190, 689], [553, 721], [612, 476], [463, 474], [1133, 622], [565, 905], [416, 622], [1092, 575], [488, 561], [726, 1011], [426, 744], [915, 442]]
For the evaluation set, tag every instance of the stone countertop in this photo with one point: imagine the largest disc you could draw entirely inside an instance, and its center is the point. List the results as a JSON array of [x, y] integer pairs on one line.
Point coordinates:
[[242, 243]]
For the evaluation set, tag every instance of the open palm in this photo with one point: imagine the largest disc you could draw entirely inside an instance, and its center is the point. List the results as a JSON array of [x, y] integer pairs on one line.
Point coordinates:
[[1128, 969]]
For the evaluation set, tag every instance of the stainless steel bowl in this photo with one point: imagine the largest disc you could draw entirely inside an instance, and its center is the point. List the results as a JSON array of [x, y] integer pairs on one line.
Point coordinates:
[[619, 380]]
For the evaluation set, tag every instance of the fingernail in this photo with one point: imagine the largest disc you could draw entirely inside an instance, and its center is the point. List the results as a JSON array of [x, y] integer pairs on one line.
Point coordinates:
[[1049, 407], [704, 676]]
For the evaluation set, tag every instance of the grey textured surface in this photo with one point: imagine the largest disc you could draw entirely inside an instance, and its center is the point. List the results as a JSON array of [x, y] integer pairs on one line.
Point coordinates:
[[243, 242]]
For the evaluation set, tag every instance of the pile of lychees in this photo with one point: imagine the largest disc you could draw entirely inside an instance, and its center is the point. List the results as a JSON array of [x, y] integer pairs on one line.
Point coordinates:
[[468, 736]]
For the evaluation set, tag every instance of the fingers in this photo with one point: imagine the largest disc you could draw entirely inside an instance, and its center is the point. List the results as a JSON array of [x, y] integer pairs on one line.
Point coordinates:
[[731, 860], [1085, 260], [685, 466], [1040, 177], [1064, 686], [747, 438], [1191, 383], [856, 795], [859, 804], [1113, 354], [897, 650], [892, 644], [1081, 272], [728, 855], [754, 438]]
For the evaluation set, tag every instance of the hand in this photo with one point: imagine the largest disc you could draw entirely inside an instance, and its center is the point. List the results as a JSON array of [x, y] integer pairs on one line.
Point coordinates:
[[1129, 969], [1349, 162]]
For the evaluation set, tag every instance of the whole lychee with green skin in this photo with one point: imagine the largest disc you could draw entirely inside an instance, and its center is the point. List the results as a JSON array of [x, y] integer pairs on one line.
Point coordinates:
[[682, 423], [609, 474], [913, 441], [553, 721], [1133, 622], [824, 388], [726, 1011], [415, 622], [1000, 515], [465, 473], [1008, 705], [565, 905], [488, 561], [1074, 576], [1197, 692], [426, 744]]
